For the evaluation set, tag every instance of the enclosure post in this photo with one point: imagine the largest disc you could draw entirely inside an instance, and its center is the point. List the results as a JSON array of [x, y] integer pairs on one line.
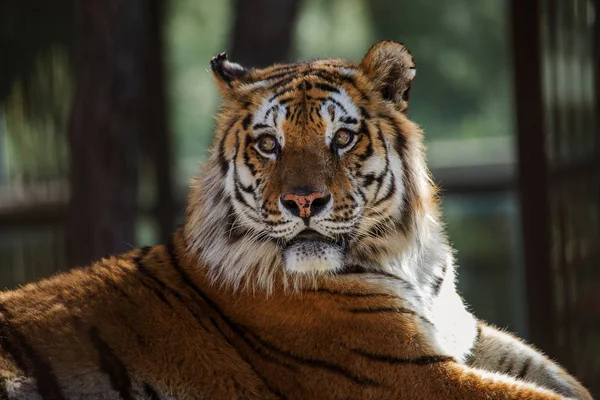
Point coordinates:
[[533, 171]]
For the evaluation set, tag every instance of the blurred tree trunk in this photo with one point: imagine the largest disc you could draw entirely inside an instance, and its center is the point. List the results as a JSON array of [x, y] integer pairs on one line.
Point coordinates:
[[119, 103], [263, 31], [156, 138]]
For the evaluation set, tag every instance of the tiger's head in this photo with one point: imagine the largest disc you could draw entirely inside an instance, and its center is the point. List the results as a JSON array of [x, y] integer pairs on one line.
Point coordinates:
[[315, 168]]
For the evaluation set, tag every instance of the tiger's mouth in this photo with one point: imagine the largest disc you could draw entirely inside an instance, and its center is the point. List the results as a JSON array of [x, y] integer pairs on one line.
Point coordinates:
[[311, 251], [312, 236]]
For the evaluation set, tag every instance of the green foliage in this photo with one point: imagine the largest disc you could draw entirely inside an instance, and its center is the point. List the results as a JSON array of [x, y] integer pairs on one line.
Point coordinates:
[[196, 31], [28, 30], [37, 114], [334, 28], [36, 43], [461, 47]]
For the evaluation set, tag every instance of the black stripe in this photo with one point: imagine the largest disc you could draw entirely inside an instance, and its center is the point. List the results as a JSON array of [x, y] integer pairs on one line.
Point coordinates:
[[139, 262], [248, 144], [364, 113], [287, 71], [317, 363], [157, 293], [437, 284], [252, 344], [424, 360], [357, 269], [252, 367], [112, 366], [338, 79], [246, 121], [241, 330], [142, 268], [385, 310], [349, 120], [280, 93], [391, 191], [16, 345], [125, 320], [171, 252], [221, 152], [150, 392], [380, 310], [509, 367], [524, 369], [237, 194], [326, 87], [401, 142], [340, 105], [260, 126], [281, 83], [239, 197], [501, 361], [269, 111], [350, 294], [369, 150]]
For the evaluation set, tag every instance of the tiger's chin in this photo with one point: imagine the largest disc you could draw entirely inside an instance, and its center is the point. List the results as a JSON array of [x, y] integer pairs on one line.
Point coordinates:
[[312, 253]]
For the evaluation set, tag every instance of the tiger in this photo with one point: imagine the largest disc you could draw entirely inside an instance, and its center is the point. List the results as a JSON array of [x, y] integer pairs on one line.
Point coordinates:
[[312, 264]]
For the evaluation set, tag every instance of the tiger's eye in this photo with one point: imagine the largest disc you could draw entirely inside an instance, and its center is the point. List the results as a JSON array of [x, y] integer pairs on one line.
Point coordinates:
[[267, 144], [342, 138]]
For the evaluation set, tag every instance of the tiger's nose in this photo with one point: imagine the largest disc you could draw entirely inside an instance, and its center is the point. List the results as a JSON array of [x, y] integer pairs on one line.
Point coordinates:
[[305, 203]]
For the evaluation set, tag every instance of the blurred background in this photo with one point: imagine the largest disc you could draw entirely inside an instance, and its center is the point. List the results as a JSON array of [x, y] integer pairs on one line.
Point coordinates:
[[107, 110]]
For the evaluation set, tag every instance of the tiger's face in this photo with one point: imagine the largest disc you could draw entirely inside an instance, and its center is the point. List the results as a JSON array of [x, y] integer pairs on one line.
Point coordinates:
[[316, 161]]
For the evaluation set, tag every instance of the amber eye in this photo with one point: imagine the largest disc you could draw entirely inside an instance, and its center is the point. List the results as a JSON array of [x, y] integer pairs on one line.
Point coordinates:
[[342, 138], [268, 144]]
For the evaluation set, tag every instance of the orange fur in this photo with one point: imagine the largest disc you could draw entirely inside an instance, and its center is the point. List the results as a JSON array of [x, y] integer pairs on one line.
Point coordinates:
[[224, 345]]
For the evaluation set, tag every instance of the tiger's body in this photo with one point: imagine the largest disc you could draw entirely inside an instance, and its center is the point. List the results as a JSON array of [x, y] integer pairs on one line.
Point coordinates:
[[312, 265]]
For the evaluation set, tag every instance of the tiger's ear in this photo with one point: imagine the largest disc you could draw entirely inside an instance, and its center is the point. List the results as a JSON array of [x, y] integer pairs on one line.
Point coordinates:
[[227, 74], [390, 66]]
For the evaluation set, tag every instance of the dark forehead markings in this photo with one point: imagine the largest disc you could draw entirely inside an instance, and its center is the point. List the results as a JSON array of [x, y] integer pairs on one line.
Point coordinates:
[[326, 87], [330, 76], [337, 103], [260, 126], [275, 115], [246, 121], [288, 78], [269, 111], [280, 93], [282, 75], [279, 71], [364, 113], [349, 120], [295, 113]]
